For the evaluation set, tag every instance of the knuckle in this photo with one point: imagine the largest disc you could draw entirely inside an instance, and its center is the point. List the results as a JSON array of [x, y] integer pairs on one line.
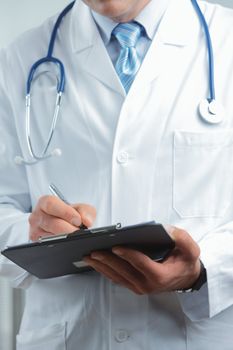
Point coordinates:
[[86, 211], [54, 225], [181, 234], [184, 235], [49, 202], [69, 214], [41, 201]]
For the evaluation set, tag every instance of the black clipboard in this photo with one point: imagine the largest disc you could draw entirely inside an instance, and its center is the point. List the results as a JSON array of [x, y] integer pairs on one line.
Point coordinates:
[[61, 255]]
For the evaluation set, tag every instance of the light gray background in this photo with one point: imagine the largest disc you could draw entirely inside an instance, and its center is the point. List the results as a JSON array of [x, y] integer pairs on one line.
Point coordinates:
[[16, 16]]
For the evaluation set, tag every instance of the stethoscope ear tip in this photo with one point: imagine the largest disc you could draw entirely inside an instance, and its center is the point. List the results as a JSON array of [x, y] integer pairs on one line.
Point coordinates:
[[19, 160]]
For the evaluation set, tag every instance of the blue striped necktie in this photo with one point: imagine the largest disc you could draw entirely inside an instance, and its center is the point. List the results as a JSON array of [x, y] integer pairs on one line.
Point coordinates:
[[128, 61]]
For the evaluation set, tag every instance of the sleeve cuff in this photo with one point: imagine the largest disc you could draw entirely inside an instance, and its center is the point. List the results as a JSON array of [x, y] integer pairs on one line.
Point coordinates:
[[15, 234], [195, 305]]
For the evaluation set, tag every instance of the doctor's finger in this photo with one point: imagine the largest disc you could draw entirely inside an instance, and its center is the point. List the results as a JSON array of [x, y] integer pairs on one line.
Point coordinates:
[[54, 225], [87, 213], [111, 274], [35, 234], [54, 206], [120, 266], [149, 268]]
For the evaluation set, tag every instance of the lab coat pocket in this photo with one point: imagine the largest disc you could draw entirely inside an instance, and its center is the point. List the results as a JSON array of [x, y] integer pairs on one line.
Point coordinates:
[[51, 337], [211, 334], [202, 173]]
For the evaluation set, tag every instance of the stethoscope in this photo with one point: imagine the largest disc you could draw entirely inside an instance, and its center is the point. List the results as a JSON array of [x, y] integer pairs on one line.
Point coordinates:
[[210, 110]]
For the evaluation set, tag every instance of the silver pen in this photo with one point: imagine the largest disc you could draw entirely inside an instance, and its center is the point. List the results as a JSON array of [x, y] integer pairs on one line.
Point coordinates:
[[56, 192]]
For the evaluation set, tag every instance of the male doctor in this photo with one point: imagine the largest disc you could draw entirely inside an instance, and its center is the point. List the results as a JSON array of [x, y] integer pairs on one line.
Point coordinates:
[[134, 149]]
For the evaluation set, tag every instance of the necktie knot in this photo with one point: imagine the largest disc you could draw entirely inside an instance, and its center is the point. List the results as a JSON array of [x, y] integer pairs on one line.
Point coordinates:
[[127, 34], [128, 62]]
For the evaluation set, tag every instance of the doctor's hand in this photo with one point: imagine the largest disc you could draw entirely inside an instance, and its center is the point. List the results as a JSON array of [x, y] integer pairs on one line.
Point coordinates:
[[52, 216], [137, 272]]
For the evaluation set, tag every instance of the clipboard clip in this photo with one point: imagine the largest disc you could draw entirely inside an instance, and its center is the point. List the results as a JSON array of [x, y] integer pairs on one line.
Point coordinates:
[[52, 238], [106, 228], [94, 230]]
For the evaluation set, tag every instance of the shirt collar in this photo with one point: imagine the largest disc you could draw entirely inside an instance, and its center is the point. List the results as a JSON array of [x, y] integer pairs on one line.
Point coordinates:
[[149, 17]]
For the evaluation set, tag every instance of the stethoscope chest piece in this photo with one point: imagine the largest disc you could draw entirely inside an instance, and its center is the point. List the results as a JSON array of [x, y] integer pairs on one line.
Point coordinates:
[[211, 112]]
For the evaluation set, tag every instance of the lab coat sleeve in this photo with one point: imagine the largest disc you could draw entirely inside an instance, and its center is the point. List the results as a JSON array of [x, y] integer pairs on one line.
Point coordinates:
[[15, 204], [216, 295], [216, 245]]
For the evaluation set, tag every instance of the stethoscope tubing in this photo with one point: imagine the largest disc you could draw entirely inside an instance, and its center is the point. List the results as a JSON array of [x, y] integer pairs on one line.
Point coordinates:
[[56, 26], [54, 60], [209, 49], [207, 107], [34, 158]]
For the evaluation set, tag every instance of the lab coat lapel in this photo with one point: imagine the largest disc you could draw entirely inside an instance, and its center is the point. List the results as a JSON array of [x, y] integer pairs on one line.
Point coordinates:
[[177, 28], [88, 45]]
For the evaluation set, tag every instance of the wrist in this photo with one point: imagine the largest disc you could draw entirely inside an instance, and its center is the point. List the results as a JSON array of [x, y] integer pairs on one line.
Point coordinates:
[[199, 281]]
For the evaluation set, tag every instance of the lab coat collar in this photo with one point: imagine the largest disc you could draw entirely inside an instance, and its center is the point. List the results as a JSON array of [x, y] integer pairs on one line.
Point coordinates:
[[150, 18], [180, 23], [87, 43], [83, 32], [176, 28], [179, 26]]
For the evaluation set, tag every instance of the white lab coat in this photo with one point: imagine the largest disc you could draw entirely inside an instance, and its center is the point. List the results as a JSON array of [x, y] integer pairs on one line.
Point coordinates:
[[138, 157]]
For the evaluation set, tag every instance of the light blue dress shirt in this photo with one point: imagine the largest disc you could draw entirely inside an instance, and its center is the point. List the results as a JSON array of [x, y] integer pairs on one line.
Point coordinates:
[[150, 17]]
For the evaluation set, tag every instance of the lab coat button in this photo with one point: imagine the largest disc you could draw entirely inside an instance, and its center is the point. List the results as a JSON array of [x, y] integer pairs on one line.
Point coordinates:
[[121, 335], [122, 157]]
